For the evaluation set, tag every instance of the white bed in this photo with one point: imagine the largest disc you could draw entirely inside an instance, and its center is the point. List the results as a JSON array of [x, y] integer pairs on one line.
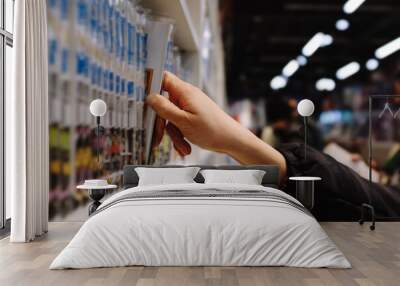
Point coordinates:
[[267, 229]]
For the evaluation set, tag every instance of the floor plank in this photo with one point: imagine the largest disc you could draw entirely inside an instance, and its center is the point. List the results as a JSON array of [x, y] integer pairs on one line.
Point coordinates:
[[375, 257]]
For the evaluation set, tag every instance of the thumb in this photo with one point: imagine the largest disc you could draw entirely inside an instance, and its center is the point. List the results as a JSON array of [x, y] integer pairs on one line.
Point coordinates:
[[166, 109]]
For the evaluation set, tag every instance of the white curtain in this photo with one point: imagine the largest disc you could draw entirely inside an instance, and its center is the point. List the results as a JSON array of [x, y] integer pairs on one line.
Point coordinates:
[[27, 124]]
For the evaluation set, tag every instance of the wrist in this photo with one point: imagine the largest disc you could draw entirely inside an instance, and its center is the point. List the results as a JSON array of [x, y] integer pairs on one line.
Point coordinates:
[[244, 146], [248, 149], [235, 140]]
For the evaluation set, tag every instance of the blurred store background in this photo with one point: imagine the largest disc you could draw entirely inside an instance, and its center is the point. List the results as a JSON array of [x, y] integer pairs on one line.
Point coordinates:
[[334, 52], [256, 59]]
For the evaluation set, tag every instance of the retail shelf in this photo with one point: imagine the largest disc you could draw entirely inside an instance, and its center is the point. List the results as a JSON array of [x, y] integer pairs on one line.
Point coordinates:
[[185, 34]]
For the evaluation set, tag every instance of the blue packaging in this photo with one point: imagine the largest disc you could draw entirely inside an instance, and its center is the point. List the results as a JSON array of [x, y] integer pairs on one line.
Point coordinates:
[[82, 13], [111, 81], [52, 4], [80, 63], [117, 82], [93, 18], [86, 66], [110, 29], [123, 38], [64, 8], [104, 23], [122, 85], [138, 51], [53, 47], [131, 43], [93, 73], [117, 35], [105, 79], [99, 28], [64, 60], [145, 37], [99, 76], [131, 88]]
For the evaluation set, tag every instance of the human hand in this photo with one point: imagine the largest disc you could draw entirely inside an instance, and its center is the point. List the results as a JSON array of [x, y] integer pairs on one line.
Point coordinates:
[[192, 115]]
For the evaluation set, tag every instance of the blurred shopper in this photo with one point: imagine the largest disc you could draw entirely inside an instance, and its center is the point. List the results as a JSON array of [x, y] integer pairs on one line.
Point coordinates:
[[280, 119], [193, 116], [287, 126]]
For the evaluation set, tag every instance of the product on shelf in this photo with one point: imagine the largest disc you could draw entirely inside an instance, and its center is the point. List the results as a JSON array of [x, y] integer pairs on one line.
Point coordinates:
[[97, 49]]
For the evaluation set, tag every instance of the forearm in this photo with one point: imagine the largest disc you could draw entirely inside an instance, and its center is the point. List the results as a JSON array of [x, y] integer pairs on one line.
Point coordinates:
[[248, 149]]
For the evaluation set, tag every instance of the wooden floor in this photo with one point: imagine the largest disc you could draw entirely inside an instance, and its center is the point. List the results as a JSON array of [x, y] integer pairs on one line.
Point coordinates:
[[375, 257]]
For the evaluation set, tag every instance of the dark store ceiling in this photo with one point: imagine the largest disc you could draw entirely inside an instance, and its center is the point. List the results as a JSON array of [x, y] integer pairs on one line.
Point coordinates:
[[263, 36]]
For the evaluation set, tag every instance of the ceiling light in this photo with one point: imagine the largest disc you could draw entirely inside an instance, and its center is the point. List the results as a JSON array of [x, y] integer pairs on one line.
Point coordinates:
[[348, 70], [302, 60], [325, 84], [326, 40], [278, 82], [372, 64], [290, 68], [352, 5], [342, 24], [388, 49], [313, 44]]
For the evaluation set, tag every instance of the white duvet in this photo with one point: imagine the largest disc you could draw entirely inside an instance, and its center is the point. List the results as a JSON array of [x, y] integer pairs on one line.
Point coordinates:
[[200, 231]]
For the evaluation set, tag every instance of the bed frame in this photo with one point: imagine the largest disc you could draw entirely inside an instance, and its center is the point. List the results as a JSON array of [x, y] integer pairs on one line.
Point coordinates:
[[270, 179]]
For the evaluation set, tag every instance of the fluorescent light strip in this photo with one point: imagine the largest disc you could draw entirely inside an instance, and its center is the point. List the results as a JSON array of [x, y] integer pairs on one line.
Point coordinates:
[[326, 40], [325, 84], [348, 70], [372, 64], [313, 44], [352, 5], [278, 82], [342, 24], [302, 60], [388, 49], [290, 68]]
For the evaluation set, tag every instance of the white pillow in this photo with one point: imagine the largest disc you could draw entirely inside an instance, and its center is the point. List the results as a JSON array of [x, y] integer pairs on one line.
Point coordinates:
[[166, 176], [247, 177]]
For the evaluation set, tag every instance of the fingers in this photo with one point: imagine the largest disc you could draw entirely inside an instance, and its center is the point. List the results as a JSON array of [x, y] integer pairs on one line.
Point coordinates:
[[172, 83], [159, 127], [166, 109], [174, 86], [180, 144]]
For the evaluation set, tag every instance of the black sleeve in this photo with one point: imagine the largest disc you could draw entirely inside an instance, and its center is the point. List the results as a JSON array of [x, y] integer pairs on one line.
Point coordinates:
[[342, 191]]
